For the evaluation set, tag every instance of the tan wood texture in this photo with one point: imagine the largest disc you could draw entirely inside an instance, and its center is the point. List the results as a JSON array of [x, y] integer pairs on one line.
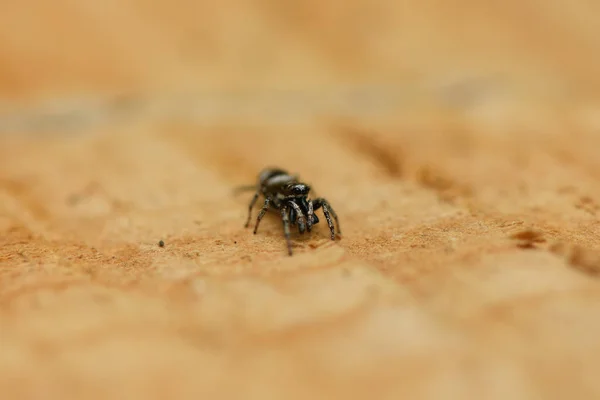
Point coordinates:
[[459, 145]]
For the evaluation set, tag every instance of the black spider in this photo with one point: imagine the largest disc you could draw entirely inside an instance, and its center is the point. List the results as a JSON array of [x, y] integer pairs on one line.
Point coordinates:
[[284, 193]]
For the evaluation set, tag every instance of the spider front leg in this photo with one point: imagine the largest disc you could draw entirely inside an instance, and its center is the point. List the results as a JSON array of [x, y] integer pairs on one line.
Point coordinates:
[[327, 210], [252, 202], [286, 227], [300, 216], [310, 216], [261, 214]]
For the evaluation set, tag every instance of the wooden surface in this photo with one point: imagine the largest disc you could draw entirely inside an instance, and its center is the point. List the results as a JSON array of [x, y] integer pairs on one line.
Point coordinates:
[[459, 146]]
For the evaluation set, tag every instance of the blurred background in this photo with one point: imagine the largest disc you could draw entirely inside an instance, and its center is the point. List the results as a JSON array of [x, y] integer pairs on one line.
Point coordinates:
[[94, 61]]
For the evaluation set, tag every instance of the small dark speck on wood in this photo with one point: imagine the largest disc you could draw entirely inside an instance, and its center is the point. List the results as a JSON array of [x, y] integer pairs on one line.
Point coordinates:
[[161, 243]]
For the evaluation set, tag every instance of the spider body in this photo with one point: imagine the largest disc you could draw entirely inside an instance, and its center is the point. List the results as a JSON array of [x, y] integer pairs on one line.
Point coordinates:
[[285, 194]]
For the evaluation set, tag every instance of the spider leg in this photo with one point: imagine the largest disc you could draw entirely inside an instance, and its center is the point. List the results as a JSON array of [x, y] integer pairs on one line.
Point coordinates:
[[337, 221], [328, 211], [243, 188], [301, 217], [309, 217], [286, 227], [261, 214], [252, 202]]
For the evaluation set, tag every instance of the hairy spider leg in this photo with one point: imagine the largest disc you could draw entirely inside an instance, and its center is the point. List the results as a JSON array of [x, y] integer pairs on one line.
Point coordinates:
[[337, 221], [322, 202], [252, 202], [261, 214], [286, 227], [310, 216], [243, 188], [301, 218], [327, 209]]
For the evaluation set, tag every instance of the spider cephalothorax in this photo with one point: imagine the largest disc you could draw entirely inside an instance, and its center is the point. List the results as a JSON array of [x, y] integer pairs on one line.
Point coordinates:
[[284, 193]]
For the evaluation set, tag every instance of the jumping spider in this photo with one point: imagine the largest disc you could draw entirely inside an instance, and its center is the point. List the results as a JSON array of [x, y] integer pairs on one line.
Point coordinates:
[[285, 193]]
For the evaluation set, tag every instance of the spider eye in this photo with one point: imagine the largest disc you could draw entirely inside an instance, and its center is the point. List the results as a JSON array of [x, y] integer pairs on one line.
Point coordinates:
[[299, 189]]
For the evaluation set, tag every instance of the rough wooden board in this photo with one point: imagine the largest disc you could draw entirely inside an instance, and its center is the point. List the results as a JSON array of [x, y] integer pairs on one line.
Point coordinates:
[[467, 267], [465, 176]]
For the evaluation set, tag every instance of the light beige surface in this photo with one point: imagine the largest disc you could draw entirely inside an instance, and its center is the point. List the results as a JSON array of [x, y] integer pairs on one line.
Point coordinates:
[[468, 194]]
